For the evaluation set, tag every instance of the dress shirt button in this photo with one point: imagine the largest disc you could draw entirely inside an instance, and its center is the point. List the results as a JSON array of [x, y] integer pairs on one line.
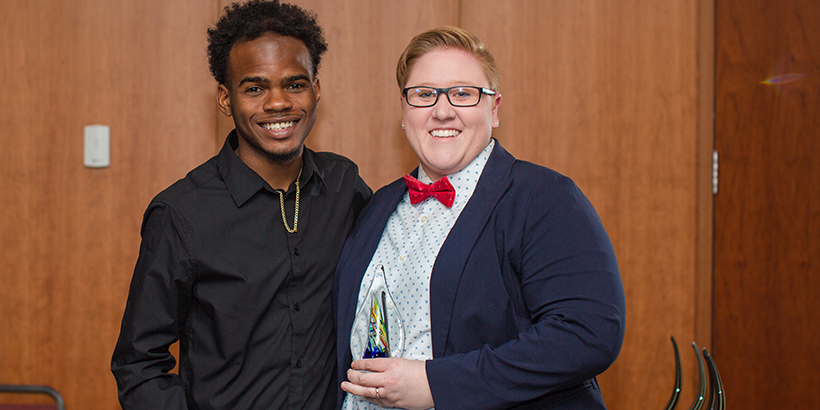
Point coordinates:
[[402, 257], [296, 307], [299, 363], [423, 218], [296, 251]]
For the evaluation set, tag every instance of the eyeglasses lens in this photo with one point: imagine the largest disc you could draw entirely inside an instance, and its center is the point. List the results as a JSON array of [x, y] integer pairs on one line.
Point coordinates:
[[458, 96]]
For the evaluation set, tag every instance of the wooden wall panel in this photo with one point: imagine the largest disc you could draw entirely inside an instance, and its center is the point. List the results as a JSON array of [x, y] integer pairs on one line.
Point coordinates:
[[767, 212], [604, 92], [70, 234], [607, 93]]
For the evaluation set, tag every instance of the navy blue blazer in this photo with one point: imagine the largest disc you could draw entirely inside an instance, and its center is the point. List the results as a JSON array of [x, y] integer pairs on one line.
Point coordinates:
[[526, 302]]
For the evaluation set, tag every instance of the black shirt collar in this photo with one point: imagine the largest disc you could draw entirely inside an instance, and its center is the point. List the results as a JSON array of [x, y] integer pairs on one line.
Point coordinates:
[[243, 183]]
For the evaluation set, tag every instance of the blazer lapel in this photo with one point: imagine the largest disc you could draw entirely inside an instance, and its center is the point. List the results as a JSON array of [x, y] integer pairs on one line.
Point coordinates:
[[447, 271], [356, 259]]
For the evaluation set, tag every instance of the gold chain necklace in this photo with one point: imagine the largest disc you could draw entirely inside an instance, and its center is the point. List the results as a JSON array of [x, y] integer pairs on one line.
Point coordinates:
[[295, 211]]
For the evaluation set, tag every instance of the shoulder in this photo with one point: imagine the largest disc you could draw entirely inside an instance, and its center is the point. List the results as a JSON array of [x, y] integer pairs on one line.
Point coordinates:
[[548, 192], [339, 173], [503, 165], [525, 177], [539, 176], [382, 202], [165, 214], [532, 190], [551, 203], [331, 161], [194, 181], [390, 192]]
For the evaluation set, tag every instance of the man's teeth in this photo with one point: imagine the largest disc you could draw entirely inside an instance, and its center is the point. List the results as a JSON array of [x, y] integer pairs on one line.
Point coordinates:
[[276, 126], [444, 133]]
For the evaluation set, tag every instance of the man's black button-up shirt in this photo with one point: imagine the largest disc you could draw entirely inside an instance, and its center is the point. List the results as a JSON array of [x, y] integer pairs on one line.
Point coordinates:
[[248, 301]]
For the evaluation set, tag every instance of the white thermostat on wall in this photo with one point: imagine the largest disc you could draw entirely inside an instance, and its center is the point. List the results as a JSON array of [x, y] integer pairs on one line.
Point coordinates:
[[97, 152]]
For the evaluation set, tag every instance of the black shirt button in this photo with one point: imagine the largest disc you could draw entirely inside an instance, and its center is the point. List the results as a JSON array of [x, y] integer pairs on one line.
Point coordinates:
[[296, 251], [296, 307], [299, 363]]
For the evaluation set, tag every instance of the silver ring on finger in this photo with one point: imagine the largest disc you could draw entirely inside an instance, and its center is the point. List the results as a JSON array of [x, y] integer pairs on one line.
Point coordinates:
[[377, 394]]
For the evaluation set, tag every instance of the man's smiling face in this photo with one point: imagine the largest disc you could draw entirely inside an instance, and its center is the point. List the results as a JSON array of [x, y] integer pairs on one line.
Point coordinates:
[[272, 96]]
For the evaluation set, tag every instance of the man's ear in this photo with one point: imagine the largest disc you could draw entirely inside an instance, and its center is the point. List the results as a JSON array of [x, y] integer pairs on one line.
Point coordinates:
[[317, 89], [223, 100]]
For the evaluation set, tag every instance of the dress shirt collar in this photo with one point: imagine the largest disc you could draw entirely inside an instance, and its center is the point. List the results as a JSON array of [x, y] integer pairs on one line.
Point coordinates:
[[464, 180], [476, 165], [243, 183]]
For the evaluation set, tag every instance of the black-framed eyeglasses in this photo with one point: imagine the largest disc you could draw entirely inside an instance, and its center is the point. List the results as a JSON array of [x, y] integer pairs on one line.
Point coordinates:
[[458, 96]]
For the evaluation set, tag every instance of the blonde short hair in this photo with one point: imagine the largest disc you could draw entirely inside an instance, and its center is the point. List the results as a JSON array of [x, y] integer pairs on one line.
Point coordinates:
[[442, 38]]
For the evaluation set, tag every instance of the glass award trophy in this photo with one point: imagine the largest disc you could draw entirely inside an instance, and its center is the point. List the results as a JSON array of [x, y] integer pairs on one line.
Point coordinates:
[[378, 330]]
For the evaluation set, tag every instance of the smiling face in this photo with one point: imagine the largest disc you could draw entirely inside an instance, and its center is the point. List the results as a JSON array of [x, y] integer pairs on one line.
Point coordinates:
[[272, 96], [447, 138]]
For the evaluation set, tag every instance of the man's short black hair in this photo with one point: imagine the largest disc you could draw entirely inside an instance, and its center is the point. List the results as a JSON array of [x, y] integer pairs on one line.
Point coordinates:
[[251, 20]]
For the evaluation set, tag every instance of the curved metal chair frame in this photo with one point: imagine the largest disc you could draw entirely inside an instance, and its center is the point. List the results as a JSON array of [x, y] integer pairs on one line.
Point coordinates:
[[717, 399], [673, 401], [36, 389]]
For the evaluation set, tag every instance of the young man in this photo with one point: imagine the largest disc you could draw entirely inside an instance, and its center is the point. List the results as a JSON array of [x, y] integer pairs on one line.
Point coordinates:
[[237, 258]]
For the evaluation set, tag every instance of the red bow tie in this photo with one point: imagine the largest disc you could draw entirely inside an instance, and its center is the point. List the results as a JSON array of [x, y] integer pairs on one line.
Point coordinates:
[[442, 190]]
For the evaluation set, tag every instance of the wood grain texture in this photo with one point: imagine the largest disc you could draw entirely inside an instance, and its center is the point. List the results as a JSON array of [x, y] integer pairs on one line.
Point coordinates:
[[767, 213], [607, 93], [70, 234], [604, 92], [704, 236]]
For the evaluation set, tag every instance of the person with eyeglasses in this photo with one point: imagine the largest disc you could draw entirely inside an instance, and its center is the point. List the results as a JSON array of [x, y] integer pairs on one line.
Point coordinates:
[[477, 281]]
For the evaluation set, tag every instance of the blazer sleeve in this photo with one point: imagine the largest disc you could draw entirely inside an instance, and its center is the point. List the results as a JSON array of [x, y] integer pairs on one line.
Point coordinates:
[[557, 251]]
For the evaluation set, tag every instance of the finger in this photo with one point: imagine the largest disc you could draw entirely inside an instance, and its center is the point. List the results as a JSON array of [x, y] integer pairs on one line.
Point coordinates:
[[369, 393], [373, 365], [364, 378]]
